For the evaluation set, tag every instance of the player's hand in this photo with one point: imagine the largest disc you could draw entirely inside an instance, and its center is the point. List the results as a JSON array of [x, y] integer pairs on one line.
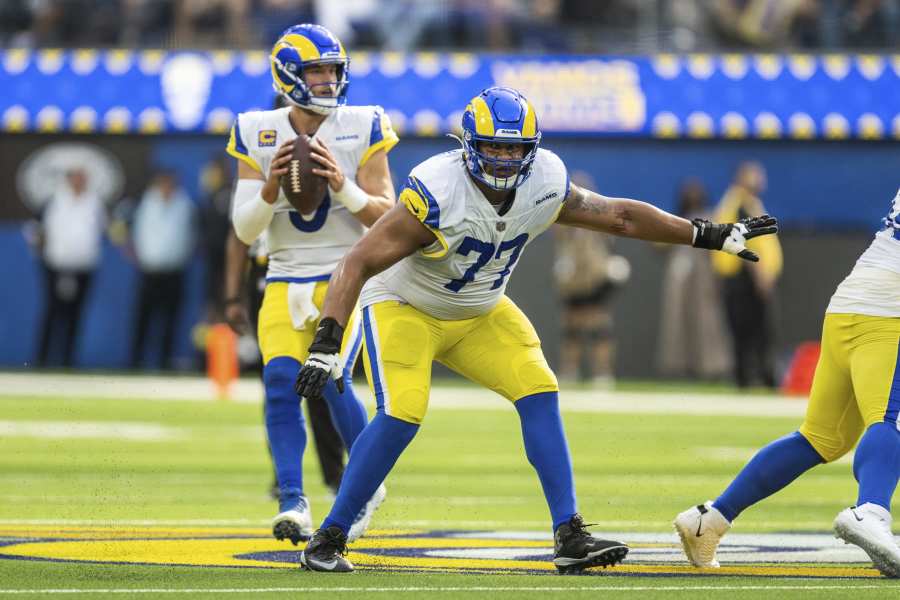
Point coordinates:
[[324, 361], [732, 237], [237, 317], [278, 168], [329, 167]]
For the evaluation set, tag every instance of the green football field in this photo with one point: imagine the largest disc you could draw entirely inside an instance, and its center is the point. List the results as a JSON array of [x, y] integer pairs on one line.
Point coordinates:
[[137, 496]]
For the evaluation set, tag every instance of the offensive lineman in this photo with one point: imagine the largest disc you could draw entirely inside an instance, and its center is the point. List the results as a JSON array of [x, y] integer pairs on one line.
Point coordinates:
[[310, 69], [856, 387], [435, 268]]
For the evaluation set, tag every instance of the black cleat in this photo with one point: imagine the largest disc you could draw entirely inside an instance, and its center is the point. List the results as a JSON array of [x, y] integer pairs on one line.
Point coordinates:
[[325, 552], [576, 550]]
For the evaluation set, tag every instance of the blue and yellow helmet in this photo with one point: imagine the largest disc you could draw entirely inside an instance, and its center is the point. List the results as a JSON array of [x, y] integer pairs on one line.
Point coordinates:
[[302, 46], [500, 115]]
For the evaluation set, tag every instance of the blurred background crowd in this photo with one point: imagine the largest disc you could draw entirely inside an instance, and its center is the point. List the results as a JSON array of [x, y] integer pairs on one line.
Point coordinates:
[[610, 26]]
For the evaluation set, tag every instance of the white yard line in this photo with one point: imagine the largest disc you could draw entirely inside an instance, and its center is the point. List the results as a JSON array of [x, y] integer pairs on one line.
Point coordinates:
[[538, 589], [119, 430], [190, 388]]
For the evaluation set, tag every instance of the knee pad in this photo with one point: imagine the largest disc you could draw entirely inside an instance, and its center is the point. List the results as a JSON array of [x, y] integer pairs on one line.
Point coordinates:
[[531, 373], [279, 376], [830, 444]]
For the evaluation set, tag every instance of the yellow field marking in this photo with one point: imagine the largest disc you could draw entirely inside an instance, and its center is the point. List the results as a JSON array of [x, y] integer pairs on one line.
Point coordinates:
[[224, 547]]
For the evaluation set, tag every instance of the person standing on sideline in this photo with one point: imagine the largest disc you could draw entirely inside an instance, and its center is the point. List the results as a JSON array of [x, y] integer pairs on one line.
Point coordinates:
[[749, 289], [693, 341], [70, 248], [164, 236]]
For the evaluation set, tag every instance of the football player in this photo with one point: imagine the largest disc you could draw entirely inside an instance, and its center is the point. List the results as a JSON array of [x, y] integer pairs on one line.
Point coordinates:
[[310, 68], [856, 389], [435, 269]]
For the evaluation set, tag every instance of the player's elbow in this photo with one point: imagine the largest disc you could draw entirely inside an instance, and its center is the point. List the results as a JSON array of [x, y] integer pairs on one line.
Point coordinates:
[[244, 232]]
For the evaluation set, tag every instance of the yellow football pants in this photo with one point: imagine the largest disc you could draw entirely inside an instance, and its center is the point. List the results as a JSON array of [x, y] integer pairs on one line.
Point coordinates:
[[857, 382], [276, 333], [499, 349]]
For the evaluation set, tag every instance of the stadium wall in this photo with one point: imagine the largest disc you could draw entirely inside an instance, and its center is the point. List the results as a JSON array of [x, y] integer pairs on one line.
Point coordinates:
[[830, 196]]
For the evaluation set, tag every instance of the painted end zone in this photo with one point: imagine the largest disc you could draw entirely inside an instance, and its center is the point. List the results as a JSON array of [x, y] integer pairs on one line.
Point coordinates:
[[764, 555]]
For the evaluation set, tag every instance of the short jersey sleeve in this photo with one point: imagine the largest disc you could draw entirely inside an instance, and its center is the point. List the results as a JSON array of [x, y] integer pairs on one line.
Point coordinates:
[[381, 135], [237, 141], [553, 177], [423, 205]]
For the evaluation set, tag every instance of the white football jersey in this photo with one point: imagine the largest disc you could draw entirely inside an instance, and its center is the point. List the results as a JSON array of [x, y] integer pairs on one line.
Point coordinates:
[[465, 272], [873, 287], [309, 247]]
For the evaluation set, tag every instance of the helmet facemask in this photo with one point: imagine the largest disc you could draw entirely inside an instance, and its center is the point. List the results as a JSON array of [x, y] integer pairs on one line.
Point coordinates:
[[495, 172]]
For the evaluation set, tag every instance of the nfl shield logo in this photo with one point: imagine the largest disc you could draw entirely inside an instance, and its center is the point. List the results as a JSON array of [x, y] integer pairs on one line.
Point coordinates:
[[501, 225]]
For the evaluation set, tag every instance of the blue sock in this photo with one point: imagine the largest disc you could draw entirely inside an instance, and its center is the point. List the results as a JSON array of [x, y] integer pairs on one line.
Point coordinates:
[[548, 452], [376, 450], [876, 465], [347, 411], [773, 468], [285, 426]]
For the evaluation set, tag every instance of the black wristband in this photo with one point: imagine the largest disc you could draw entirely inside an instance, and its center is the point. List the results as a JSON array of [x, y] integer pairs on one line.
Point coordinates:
[[709, 235], [329, 335], [233, 300]]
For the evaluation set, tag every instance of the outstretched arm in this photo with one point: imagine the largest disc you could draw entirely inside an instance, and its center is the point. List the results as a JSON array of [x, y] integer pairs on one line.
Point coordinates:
[[394, 236], [639, 220]]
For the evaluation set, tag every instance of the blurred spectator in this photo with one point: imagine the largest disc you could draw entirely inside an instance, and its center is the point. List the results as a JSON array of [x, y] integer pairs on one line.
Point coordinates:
[[748, 287], [613, 26], [147, 22], [215, 225], [163, 243], [207, 22], [762, 23], [587, 274], [274, 16], [70, 244], [693, 340], [869, 23]]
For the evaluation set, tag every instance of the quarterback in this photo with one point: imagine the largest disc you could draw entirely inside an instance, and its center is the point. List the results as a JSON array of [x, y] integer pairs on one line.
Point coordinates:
[[435, 269], [310, 70], [855, 390]]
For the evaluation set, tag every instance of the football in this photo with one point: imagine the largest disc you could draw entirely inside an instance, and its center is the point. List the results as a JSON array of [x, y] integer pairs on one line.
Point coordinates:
[[303, 189]]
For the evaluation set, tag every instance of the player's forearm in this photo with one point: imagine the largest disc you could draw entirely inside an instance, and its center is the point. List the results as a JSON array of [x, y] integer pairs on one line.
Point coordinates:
[[344, 288], [643, 221], [235, 265], [374, 209], [624, 217], [251, 214]]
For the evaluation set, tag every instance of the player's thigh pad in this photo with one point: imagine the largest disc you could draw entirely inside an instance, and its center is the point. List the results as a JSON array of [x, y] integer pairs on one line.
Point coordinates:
[[502, 351], [399, 343], [833, 423], [276, 333], [875, 367]]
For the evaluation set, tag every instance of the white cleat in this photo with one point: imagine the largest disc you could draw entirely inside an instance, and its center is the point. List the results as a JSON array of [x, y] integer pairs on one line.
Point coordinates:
[[295, 523], [701, 528], [361, 523], [869, 527]]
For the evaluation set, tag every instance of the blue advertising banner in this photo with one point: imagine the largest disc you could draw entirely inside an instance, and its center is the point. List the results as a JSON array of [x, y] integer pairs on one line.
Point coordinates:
[[697, 96]]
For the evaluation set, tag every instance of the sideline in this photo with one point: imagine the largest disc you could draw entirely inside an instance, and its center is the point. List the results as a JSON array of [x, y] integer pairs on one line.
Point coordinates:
[[248, 390]]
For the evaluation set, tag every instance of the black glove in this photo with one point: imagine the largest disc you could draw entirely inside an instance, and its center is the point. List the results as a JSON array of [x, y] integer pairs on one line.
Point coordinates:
[[732, 237], [324, 361]]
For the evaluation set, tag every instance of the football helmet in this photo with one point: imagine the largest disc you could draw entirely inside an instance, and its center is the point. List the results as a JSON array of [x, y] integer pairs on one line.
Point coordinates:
[[302, 46], [500, 115]]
